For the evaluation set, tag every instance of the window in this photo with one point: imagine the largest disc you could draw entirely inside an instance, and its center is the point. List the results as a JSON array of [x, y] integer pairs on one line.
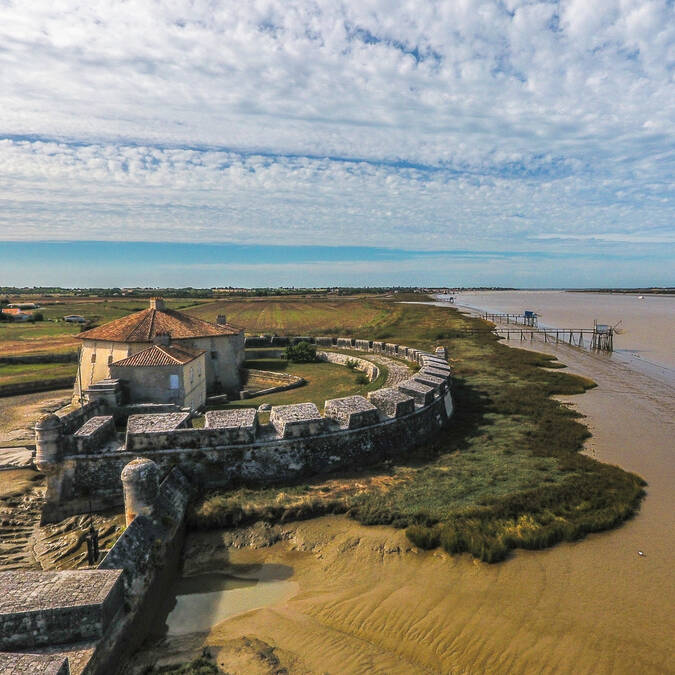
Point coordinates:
[[109, 360], [173, 381], [214, 356], [93, 357]]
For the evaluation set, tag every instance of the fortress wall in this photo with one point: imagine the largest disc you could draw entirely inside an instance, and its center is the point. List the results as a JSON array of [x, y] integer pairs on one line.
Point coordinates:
[[211, 461], [296, 443]]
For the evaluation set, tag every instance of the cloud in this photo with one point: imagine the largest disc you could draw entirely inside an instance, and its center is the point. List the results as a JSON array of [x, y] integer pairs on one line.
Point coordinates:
[[483, 124]]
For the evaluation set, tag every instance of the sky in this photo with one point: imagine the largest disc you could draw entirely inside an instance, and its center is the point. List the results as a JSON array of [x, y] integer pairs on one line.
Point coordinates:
[[483, 142]]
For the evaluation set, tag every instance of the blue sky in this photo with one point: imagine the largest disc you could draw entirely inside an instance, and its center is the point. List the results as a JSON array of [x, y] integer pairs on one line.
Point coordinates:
[[468, 142]]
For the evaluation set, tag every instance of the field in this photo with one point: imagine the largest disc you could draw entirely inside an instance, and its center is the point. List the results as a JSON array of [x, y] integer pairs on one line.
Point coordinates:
[[301, 316], [29, 372]]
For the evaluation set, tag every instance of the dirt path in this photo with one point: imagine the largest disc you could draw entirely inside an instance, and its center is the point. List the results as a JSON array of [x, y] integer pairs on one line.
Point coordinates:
[[397, 371]]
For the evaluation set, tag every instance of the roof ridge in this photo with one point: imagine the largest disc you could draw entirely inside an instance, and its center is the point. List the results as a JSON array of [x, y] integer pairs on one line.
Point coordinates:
[[165, 349]]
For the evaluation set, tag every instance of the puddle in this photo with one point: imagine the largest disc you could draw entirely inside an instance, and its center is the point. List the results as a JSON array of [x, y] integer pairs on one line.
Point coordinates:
[[197, 603]]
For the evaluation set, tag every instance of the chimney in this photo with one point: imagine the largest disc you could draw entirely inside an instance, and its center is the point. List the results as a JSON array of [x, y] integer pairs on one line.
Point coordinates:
[[221, 320], [157, 303], [163, 339]]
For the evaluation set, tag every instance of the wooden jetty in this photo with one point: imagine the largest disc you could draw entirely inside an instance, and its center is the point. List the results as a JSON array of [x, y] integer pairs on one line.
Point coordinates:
[[527, 318], [598, 338]]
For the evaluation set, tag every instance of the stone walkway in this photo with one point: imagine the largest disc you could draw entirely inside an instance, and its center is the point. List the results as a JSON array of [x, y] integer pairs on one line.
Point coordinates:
[[398, 372]]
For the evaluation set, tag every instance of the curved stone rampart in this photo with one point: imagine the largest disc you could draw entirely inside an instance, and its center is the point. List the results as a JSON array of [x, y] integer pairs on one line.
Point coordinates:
[[365, 366], [298, 442]]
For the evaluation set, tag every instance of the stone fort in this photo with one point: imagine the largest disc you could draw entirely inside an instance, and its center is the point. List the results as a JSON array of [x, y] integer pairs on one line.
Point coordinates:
[[82, 621]]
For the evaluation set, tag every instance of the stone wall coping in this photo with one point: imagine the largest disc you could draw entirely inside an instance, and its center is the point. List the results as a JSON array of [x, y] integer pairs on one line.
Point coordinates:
[[156, 422], [355, 403], [25, 591], [93, 424], [16, 663], [230, 419]]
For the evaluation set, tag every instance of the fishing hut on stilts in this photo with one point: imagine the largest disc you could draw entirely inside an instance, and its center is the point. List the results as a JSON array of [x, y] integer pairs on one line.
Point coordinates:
[[603, 337]]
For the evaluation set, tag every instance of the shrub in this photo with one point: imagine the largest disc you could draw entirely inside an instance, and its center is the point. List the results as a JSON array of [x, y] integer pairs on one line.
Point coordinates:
[[351, 364], [362, 378], [423, 537], [303, 352]]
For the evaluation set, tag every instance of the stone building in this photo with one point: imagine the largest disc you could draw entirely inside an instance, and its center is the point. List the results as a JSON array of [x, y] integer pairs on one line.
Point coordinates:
[[222, 344], [164, 373]]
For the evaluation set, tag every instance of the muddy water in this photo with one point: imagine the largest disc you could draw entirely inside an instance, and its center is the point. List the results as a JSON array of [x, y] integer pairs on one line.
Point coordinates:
[[647, 329], [198, 602]]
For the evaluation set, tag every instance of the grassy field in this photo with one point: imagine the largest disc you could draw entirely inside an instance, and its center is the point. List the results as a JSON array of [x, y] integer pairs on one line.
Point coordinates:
[[507, 471], [300, 316], [29, 372], [324, 381]]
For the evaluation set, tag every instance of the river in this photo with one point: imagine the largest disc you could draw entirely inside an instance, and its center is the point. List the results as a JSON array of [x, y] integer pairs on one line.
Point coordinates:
[[646, 324]]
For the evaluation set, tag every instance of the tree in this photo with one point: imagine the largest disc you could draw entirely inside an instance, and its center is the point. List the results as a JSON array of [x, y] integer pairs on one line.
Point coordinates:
[[303, 352]]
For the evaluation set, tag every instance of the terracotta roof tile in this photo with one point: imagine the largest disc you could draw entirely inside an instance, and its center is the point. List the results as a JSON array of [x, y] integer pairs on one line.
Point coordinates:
[[159, 355], [145, 325]]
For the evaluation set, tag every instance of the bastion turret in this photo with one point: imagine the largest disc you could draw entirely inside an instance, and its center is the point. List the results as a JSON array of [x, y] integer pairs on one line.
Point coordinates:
[[140, 481], [48, 433]]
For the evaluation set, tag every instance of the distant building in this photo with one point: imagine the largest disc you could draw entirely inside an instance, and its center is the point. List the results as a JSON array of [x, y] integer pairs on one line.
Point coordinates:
[[74, 318], [164, 373], [23, 305], [112, 343], [15, 314]]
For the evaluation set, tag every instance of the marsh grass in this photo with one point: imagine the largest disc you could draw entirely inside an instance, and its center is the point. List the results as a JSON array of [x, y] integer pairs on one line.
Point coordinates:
[[506, 473]]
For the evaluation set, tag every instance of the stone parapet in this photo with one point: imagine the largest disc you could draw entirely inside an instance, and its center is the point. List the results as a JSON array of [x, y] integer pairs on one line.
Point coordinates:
[[238, 426], [431, 380], [436, 372], [49, 608], [422, 393], [392, 402], [33, 664], [91, 436], [352, 412], [297, 420]]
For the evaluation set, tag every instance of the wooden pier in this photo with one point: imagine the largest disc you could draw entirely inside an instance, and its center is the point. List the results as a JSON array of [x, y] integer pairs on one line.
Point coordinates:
[[526, 319], [597, 340]]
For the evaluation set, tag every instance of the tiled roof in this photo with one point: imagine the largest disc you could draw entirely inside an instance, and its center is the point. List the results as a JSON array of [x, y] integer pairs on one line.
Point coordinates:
[[159, 355], [145, 325]]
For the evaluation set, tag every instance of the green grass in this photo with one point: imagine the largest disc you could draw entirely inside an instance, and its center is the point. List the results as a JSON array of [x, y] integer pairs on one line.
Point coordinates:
[[29, 372], [505, 473], [324, 381]]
